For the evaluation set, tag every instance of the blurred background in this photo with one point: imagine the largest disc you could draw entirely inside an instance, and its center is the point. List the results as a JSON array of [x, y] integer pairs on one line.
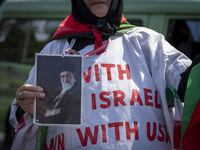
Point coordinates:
[[27, 25]]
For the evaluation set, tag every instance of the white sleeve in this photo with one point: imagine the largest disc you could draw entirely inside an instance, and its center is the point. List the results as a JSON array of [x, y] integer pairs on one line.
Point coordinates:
[[163, 60], [165, 64]]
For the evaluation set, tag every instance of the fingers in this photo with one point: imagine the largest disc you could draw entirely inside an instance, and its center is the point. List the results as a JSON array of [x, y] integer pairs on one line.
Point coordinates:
[[29, 92], [28, 87], [26, 94], [27, 105], [26, 102], [20, 97]]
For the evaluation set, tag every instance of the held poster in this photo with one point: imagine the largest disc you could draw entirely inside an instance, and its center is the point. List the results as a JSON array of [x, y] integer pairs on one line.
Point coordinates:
[[60, 77]]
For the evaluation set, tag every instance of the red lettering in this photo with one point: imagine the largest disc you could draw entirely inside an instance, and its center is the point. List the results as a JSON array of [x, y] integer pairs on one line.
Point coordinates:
[[88, 75], [107, 100], [153, 136], [104, 135], [133, 130], [162, 137], [96, 72], [148, 97], [116, 125], [88, 134], [121, 72], [61, 143], [136, 98], [156, 100], [108, 69], [118, 98], [94, 105], [52, 145]]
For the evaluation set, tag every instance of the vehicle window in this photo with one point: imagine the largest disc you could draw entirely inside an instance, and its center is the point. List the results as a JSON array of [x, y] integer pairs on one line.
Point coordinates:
[[21, 38], [185, 36]]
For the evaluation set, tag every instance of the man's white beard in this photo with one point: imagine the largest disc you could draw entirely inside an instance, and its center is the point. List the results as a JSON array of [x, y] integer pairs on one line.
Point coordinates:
[[68, 85]]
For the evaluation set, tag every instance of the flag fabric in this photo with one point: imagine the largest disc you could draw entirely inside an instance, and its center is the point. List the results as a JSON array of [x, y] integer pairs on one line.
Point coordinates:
[[176, 110], [190, 130]]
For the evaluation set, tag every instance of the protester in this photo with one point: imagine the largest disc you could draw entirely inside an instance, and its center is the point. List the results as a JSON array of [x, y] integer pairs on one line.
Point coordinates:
[[125, 72]]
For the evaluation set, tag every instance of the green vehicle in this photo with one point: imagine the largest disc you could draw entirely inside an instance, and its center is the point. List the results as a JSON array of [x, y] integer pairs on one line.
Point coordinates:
[[27, 25]]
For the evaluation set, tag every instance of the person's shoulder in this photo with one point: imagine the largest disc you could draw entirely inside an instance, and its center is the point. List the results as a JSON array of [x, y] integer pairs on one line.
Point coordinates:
[[55, 46], [143, 32], [57, 41]]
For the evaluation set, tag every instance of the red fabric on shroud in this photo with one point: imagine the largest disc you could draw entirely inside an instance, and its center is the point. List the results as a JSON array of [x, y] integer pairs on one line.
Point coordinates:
[[177, 134], [70, 25], [191, 138]]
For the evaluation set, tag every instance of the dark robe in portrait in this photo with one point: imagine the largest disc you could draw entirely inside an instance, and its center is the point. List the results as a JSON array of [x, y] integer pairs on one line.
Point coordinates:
[[67, 108]]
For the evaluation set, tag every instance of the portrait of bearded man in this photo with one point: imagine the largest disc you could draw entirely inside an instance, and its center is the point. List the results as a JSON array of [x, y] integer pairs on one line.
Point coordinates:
[[61, 109]]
